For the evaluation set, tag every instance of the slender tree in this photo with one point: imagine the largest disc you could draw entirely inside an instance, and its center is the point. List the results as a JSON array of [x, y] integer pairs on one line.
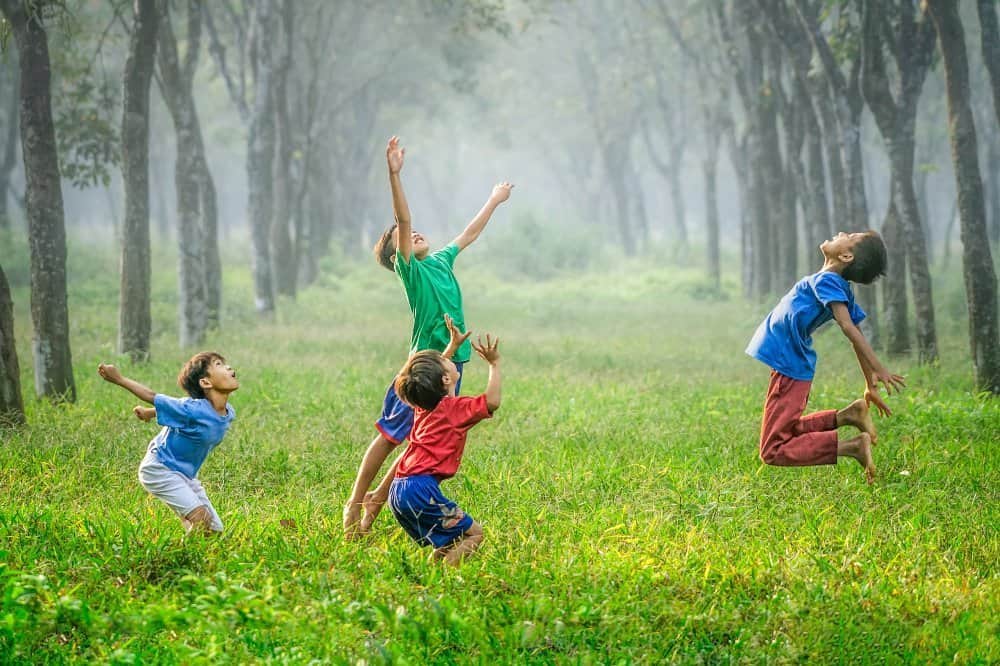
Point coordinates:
[[8, 134], [282, 244], [895, 114], [11, 403], [980, 278], [254, 31], [990, 35], [197, 235], [44, 204], [134, 313]]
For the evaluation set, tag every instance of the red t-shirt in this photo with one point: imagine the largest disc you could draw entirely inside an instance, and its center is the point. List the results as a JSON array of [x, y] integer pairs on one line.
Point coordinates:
[[438, 436]]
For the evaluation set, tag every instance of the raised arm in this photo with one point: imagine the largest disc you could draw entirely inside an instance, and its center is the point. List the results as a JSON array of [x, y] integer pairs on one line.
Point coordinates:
[[112, 374], [491, 355], [872, 369], [501, 192], [404, 230]]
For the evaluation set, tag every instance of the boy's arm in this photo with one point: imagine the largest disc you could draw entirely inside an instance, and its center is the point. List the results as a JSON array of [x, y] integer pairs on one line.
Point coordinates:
[[491, 355], [112, 374], [501, 192], [871, 367], [456, 337], [394, 158]]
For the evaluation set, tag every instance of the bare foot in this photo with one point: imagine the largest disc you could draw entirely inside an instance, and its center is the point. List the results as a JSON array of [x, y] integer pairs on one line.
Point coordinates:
[[372, 505], [858, 415], [860, 449], [352, 520]]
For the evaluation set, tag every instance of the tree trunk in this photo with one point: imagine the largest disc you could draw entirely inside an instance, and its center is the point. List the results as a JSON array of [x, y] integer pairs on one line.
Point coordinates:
[[990, 33], [260, 157], [210, 240], [43, 193], [176, 83], [897, 328], [896, 119], [818, 213], [8, 149], [282, 252], [708, 165], [134, 314], [980, 278], [11, 403], [992, 185]]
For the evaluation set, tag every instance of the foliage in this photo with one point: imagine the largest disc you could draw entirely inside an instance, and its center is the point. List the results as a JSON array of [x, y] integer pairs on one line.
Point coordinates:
[[627, 517]]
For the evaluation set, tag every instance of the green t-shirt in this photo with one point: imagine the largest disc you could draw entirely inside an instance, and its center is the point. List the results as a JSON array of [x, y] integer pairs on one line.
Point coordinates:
[[433, 291]]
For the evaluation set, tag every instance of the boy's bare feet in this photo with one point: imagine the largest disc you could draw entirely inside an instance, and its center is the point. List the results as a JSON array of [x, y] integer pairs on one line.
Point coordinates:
[[858, 415], [371, 506], [352, 520], [859, 448]]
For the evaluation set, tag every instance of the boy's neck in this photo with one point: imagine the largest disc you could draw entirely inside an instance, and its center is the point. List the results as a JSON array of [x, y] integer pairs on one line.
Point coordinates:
[[833, 265], [219, 401]]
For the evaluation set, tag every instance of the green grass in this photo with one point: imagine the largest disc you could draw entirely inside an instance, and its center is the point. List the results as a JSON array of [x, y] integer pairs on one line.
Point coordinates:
[[627, 517]]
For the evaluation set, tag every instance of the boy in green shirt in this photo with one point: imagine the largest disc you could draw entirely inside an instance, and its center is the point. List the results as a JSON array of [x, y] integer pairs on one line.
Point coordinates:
[[433, 294]]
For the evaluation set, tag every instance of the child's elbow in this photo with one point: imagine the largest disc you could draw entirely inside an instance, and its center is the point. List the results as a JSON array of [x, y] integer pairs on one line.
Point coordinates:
[[493, 406]]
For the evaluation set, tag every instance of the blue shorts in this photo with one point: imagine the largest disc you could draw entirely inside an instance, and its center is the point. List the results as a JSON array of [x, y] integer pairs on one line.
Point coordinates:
[[429, 517], [396, 421]]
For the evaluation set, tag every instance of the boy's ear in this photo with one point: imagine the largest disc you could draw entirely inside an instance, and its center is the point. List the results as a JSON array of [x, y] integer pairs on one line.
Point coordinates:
[[846, 256], [205, 382]]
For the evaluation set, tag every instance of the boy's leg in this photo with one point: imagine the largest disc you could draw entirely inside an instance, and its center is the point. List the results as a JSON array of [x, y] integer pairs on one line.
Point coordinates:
[[789, 439], [394, 426], [858, 414], [180, 494], [860, 449], [462, 547], [371, 463], [374, 501], [208, 518]]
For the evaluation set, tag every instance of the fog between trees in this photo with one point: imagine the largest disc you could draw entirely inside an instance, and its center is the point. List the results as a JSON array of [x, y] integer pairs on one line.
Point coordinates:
[[688, 130]]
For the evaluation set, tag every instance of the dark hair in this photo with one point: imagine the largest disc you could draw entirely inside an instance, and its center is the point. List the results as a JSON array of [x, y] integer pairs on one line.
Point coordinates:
[[196, 368], [421, 381], [870, 259], [385, 249]]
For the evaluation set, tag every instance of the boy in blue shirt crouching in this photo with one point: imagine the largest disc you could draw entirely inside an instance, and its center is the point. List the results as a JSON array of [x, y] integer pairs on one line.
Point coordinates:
[[783, 341], [192, 427]]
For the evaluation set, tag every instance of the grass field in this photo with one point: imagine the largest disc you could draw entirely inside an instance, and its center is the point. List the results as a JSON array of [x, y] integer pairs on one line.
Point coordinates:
[[627, 517]]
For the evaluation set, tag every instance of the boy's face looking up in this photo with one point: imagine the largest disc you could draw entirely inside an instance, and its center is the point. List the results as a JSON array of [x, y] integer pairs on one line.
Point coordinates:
[[841, 246], [859, 257], [420, 246], [220, 376]]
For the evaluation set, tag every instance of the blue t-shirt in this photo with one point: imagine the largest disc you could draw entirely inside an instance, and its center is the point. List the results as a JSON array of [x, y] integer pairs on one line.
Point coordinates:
[[784, 339], [191, 428]]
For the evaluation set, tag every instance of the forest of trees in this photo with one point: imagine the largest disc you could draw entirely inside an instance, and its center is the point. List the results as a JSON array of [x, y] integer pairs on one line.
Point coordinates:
[[762, 126]]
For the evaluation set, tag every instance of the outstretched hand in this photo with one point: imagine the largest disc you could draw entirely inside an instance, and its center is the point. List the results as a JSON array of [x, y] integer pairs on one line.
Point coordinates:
[[456, 336], [110, 373], [889, 380], [872, 397], [501, 192], [394, 155], [489, 351]]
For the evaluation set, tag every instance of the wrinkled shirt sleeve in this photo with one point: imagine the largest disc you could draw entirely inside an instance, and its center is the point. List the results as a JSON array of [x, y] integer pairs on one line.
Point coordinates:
[[172, 412]]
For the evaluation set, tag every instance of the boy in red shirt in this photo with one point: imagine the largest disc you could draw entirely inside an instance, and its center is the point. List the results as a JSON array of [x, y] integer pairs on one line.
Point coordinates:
[[441, 420]]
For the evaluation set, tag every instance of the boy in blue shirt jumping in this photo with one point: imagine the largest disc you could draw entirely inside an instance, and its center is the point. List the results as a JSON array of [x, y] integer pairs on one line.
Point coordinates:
[[192, 427], [783, 341]]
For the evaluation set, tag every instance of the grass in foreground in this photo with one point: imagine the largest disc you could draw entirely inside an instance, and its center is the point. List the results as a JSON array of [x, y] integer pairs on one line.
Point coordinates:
[[627, 517]]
